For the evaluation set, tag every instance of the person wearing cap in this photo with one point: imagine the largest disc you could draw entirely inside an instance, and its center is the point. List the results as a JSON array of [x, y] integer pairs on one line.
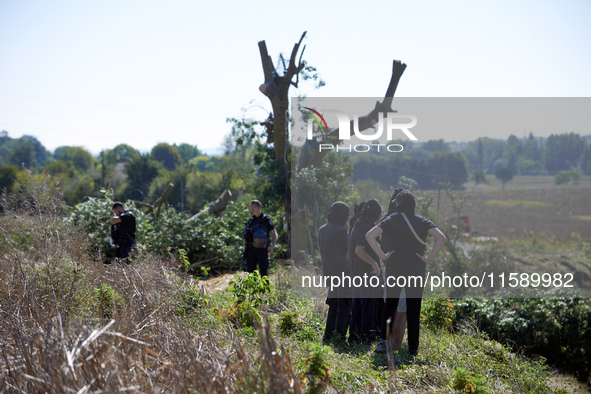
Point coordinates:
[[332, 243]]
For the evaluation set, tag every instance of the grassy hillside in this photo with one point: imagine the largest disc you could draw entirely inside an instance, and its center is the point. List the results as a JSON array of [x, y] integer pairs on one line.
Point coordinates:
[[148, 329], [71, 324]]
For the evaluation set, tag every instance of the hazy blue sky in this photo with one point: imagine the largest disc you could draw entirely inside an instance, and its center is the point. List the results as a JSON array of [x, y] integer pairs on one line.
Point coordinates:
[[96, 74]]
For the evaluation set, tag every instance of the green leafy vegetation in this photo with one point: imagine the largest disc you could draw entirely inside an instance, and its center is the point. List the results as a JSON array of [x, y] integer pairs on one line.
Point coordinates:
[[558, 329], [250, 288]]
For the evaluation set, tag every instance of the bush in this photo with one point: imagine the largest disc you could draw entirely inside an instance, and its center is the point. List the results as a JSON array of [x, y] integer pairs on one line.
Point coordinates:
[[244, 315], [289, 323], [315, 369], [466, 382], [564, 177], [558, 329], [209, 241], [437, 313], [107, 302], [250, 288]]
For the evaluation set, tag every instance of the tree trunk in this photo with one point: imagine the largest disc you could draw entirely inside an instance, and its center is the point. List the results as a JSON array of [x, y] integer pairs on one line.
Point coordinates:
[[216, 208], [276, 88]]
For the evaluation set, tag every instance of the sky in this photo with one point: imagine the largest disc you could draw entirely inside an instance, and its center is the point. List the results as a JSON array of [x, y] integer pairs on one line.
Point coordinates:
[[97, 74]]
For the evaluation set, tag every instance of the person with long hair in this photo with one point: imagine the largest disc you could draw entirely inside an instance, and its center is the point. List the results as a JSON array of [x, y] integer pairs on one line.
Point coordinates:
[[406, 234], [364, 309], [332, 244]]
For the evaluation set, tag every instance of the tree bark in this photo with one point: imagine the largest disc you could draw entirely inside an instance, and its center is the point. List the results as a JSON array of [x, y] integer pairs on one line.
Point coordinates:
[[155, 208], [276, 88]]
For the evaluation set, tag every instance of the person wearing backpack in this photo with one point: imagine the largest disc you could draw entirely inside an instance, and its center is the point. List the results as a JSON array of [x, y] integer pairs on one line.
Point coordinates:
[[259, 229], [123, 230]]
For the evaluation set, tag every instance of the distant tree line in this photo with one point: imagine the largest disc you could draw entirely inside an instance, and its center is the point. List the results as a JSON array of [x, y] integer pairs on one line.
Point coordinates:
[[245, 166], [436, 161], [129, 173]]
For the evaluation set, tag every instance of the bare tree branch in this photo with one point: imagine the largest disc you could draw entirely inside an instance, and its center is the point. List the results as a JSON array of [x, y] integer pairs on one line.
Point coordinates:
[[312, 156]]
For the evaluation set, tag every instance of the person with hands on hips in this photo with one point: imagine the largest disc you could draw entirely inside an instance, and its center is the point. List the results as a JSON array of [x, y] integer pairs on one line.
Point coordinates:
[[406, 233]]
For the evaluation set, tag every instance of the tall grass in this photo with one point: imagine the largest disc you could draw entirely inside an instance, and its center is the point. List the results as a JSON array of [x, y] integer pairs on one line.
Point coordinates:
[[55, 335]]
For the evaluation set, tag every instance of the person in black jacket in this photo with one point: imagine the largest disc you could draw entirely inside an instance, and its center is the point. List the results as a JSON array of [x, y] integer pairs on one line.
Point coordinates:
[[123, 230], [365, 263], [257, 247], [332, 243], [406, 234]]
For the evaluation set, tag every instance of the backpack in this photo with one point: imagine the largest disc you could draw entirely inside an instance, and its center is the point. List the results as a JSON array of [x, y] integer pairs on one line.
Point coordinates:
[[258, 232]]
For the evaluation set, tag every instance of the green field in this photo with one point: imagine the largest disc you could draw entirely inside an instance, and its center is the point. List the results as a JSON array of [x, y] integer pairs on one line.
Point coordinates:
[[529, 205]]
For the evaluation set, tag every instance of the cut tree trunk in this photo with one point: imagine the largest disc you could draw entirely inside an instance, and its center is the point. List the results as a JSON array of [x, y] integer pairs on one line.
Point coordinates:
[[215, 208]]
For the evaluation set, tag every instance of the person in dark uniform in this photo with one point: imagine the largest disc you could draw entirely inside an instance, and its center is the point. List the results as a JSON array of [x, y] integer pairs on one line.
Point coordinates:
[[406, 234], [123, 230], [332, 244], [365, 264], [259, 229]]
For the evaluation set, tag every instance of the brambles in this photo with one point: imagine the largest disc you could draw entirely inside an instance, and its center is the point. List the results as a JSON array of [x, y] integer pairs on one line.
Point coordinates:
[[557, 328]]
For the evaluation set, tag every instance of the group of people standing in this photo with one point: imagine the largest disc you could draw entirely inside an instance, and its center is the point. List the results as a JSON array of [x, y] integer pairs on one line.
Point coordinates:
[[398, 239]]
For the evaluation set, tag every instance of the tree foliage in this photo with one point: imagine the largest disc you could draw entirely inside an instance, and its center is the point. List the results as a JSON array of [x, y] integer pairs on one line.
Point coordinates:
[[168, 155], [504, 175], [211, 241], [8, 177], [188, 151], [140, 171], [122, 153], [23, 155], [77, 156]]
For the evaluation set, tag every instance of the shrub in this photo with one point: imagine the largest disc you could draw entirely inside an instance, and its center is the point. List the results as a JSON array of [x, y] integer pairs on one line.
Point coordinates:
[[250, 288], [466, 382], [315, 369], [106, 301], [558, 329], [211, 241], [191, 299], [563, 177], [244, 315], [289, 323], [437, 313]]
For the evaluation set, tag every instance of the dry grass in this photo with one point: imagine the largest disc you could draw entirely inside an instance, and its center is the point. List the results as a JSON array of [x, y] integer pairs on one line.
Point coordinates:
[[57, 335]]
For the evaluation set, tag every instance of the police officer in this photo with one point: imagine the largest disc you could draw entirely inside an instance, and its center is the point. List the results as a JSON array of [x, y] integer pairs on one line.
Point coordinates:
[[258, 230], [123, 230]]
